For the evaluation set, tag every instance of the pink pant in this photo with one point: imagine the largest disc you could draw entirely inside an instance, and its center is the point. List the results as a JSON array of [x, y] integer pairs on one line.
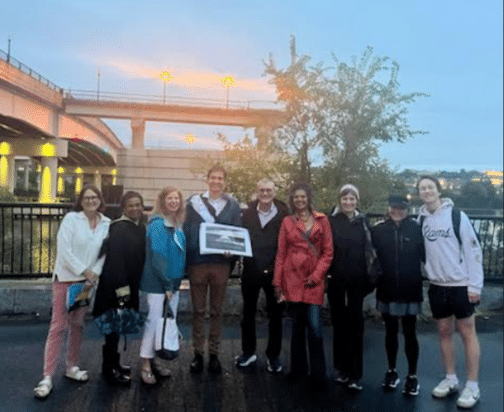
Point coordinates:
[[63, 323]]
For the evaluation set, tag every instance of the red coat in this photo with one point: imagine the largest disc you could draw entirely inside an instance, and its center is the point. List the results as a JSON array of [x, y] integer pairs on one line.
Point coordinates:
[[296, 262]]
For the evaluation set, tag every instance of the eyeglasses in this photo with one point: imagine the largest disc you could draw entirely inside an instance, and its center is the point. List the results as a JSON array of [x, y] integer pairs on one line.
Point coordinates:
[[90, 198]]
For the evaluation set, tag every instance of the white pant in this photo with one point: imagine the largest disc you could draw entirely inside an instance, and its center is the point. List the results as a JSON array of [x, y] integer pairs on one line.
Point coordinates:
[[155, 302]]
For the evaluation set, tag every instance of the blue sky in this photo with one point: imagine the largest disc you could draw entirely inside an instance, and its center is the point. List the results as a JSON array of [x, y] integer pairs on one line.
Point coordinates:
[[451, 50]]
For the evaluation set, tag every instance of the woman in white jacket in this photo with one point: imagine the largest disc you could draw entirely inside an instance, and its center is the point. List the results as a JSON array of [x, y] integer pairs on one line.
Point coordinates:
[[455, 272], [80, 237]]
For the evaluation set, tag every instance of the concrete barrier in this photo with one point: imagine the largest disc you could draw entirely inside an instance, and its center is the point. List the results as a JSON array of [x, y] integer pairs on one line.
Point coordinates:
[[33, 297]]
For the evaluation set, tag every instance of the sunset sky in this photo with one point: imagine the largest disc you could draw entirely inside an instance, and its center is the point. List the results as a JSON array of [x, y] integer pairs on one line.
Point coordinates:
[[451, 50]]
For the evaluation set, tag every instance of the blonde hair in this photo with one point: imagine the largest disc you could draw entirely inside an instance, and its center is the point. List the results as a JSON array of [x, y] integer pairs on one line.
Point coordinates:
[[160, 206]]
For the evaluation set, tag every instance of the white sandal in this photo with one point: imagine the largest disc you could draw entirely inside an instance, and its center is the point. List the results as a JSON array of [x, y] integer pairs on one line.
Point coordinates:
[[77, 374], [44, 387]]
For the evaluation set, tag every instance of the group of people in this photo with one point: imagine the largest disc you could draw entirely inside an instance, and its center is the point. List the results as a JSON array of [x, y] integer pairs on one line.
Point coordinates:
[[298, 255]]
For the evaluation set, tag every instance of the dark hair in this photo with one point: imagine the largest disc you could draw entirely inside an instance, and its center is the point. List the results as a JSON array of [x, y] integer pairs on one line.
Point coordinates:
[[307, 189], [130, 194], [432, 178], [78, 202], [217, 168]]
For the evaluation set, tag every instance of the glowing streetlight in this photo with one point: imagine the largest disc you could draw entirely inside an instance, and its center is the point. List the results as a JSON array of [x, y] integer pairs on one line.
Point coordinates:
[[165, 77], [190, 139], [228, 81]]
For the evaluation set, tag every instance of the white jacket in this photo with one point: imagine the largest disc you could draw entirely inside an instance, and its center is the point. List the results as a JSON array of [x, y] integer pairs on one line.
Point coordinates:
[[78, 247], [447, 263]]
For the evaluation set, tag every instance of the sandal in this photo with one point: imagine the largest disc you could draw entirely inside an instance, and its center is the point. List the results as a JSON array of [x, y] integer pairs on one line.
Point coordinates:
[[161, 370], [77, 374], [148, 377], [44, 387]]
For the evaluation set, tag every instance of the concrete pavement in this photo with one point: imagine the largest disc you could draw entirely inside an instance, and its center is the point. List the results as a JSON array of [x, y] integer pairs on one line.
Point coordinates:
[[252, 390]]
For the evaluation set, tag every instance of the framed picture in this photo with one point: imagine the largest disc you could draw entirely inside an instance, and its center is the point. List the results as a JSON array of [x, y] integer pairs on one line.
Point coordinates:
[[218, 239]]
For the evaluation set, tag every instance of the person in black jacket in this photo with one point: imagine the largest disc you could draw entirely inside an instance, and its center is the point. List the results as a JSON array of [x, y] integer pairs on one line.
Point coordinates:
[[400, 249], [120, 278], [263, 219], [348, 285]]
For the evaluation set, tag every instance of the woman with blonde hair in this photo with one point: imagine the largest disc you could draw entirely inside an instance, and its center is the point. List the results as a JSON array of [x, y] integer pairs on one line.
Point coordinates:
[[163, 271]]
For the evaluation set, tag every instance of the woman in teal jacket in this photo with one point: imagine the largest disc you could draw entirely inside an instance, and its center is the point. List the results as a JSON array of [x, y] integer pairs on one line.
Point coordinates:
[[163, 271]]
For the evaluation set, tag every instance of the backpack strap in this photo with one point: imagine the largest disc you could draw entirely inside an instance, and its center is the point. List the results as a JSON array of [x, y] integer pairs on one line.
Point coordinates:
[[456, 223]]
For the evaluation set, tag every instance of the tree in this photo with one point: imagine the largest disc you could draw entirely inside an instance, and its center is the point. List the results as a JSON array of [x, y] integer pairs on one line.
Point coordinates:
[[246, 164], [346, 111]]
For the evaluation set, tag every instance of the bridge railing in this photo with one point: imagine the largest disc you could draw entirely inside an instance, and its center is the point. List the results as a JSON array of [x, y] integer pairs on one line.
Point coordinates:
[[29, 71], [28, 239], [99, 96]]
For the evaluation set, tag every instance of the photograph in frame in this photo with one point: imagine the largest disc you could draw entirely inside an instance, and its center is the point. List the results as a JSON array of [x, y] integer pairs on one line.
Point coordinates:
[[217, 239]]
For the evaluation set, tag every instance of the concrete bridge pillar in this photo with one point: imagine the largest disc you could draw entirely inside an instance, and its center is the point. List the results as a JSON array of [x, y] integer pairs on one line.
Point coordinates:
[[7, 172], [48, 180], [98, 179], [138, 132], [263, 135]]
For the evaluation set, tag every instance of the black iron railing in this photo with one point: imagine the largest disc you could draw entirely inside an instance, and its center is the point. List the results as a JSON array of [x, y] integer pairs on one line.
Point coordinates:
[[28, 239]]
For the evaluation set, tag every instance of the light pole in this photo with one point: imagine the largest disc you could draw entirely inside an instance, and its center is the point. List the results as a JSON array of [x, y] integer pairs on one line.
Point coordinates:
[[228, 81], [165, 77]]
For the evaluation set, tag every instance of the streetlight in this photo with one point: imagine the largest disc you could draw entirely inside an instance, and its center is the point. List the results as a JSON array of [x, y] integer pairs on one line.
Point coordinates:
[[228, 81], [190, 139], [165, 77]]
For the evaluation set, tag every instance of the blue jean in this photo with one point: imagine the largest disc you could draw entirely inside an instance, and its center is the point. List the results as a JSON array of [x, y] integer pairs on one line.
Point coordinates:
[[307, 317]]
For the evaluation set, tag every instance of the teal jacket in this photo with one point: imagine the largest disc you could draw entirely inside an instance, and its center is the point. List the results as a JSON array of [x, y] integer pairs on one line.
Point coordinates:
[[165, 257]]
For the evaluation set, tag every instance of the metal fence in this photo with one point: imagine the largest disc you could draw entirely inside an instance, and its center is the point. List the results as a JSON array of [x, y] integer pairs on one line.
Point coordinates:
[[29, 71], [28, 245]]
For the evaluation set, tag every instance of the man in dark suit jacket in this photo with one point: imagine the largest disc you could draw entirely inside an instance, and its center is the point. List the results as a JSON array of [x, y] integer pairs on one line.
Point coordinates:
[[262, 219]]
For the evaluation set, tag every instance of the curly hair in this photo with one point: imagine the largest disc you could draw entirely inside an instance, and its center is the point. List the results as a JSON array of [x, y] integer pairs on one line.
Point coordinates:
[[309, 194]]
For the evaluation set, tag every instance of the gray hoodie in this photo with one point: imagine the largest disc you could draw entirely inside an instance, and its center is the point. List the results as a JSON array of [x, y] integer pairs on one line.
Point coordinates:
[[448, 263]]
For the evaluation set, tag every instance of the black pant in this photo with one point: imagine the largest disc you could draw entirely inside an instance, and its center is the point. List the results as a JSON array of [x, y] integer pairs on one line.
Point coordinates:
[[345, 300], [250, 291], [410, 340]]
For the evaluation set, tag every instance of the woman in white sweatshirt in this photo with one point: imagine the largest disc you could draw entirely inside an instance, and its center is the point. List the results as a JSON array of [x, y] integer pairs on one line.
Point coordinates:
[[455, 272]]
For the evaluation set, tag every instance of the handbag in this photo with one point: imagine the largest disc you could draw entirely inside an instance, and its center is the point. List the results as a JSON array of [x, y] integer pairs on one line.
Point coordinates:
[[167, 336]]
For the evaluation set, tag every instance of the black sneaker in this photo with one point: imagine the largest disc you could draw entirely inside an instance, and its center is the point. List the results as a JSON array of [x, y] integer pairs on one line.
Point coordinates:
[[355, 384], [391, 380], [245, 359], [411, 387], [214, 365], [274, 365], [196, 365]]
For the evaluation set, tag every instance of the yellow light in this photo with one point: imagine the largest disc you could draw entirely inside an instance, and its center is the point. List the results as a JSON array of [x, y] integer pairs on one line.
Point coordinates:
[[114, 176], [45, 186], [78, 170], [4, 171], [166, 76], [189, 138], [61, 169], [5, 148], [48, 150], [228, 81], [61, 185]]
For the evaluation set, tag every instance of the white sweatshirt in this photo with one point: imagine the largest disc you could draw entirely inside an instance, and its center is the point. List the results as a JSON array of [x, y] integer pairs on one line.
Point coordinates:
[[78, 247], [448, 263]]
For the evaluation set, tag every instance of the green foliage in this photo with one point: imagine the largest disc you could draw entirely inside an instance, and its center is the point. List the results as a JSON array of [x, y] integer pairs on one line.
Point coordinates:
[[246, 164], [345, 110], [6, 196], [478, 195]]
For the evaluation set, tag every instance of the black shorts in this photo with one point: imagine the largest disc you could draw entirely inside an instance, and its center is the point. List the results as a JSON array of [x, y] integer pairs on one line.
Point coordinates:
[[446, 301]]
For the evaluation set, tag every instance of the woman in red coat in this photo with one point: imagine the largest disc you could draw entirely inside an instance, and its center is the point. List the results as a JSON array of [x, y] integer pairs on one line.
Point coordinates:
[[305, 251]]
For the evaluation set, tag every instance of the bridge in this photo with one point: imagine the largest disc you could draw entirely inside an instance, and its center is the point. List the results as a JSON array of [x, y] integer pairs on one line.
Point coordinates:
[[40, 120]]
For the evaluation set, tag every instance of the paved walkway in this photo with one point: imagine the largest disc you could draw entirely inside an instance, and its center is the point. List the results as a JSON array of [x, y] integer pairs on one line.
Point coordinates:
[[250, 390]]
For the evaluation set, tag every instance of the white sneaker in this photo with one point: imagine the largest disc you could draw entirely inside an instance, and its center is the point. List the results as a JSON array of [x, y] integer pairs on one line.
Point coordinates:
[[468, 398], [445, 387]]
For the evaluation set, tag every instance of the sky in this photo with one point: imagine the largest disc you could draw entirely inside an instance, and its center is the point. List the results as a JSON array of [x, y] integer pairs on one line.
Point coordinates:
[[451, 50]]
